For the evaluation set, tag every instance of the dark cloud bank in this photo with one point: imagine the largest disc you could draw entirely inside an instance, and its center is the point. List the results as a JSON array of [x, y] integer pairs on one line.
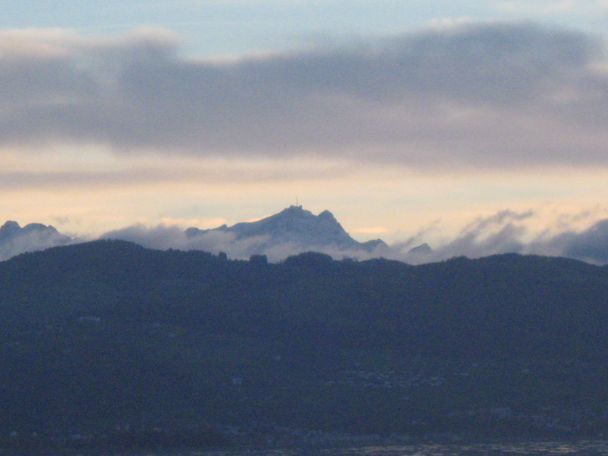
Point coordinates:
[[487, 95]]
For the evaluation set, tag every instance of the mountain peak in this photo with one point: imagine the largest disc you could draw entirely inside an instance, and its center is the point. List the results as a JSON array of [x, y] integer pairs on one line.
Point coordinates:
[[39, 227], [297, 226], [293, 211], [293, 228], [15, 239], [326, 215], [12, 228], [299, 211], [9, 230], [10, 225], [294, 208]]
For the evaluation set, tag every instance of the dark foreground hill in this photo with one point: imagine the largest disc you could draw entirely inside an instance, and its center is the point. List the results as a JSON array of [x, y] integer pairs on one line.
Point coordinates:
[[108, 335]]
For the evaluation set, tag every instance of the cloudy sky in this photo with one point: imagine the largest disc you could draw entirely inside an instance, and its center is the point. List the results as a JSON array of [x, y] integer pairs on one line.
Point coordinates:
[[403, 117]]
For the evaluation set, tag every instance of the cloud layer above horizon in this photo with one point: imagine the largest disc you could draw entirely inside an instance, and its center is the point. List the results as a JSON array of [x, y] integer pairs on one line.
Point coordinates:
[[477, 95], [504, 232]]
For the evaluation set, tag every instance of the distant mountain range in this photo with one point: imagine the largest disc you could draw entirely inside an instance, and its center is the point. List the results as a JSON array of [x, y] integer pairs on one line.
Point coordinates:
[[15, 239], [298, 228], [293, 230]]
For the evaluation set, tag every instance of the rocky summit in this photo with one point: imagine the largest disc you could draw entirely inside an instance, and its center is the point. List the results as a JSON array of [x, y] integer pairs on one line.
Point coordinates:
[[15, 239], [297, 227]]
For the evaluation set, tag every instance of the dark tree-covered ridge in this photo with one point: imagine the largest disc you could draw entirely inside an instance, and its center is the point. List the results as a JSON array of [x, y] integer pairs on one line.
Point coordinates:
[[505, 305], [101, 334]]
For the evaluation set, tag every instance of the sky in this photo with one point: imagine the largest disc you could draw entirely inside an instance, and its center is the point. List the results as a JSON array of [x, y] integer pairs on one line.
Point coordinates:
[[405, 118]]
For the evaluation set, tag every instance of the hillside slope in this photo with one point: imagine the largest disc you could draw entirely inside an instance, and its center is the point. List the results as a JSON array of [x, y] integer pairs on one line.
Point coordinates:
[[106, 333]]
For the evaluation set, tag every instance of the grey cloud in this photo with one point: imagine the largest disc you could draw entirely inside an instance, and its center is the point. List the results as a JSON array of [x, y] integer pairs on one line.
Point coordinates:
[[485, 95], [506, 216], [498, 233], [15, 240], [590, 245], [172, 237], [15, 180], [504, 232]]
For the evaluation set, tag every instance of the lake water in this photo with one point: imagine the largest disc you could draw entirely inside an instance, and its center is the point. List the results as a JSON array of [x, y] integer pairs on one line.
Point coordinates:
[[536, 448], [496, 449]]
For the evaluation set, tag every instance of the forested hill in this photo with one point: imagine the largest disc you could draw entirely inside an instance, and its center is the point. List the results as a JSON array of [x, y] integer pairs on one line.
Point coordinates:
[[505, 305], [109, 335]]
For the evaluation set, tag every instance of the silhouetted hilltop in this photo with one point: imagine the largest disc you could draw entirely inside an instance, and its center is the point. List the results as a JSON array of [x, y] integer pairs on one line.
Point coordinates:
[[107, 333], [506, 305]]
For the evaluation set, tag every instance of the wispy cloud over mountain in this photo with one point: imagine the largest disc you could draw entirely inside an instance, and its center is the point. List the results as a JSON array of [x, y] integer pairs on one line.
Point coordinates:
[[485, 95], [296, 230], [289, 232], [15, 239], [506, 232]]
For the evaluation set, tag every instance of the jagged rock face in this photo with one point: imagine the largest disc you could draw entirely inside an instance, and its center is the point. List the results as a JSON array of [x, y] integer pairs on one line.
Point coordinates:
[[15, 240], [297, 227], [293, 230]]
